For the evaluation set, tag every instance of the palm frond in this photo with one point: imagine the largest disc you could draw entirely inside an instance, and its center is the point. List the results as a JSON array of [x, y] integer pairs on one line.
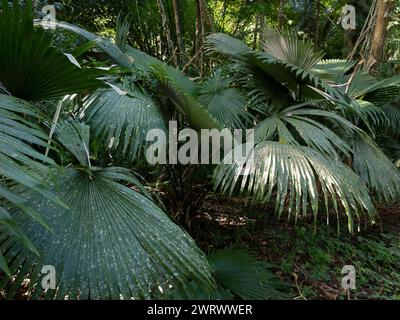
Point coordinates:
[[226, 103], [375, 169], [51, 75], [384, 95], [367, 112], [333, 69], [122, 122], [182, 91], [113, 243], [363, 84], [291, 67], [240, 271], [21, 164], [290, 49], [142, 62], [224, 44], [122, 30], [297, 125], [392, 114], [294, 172], [75, 137]]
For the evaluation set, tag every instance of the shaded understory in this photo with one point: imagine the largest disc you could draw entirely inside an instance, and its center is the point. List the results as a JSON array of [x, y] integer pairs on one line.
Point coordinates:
[[310, 263]]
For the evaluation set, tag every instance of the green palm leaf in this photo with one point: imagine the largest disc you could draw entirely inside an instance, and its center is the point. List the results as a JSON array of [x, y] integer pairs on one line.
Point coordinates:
[[289, 49], [293, 172], [122, 122], [291, 67], [375, 169], [30, 67], [298, 125], [21, 164], [112, 243], [332, 69], [227, 104], [182, 91], [247, 277]]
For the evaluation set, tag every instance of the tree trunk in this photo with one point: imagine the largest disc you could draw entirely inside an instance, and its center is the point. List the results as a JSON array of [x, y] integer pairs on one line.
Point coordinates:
[[375, 57], [281, 13], [199, 34], [317, 20], [255, 32], [261, 21], [178, 28], [167, 31]]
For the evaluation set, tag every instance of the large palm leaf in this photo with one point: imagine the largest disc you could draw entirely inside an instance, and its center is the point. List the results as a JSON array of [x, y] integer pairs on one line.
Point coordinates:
[[30, 67], [291, 67], [240, 271], [122, 122], [226, 103], [293, 172], [301, 125], [288, 48], [376, 170], [182, 92], [21, 164], [112, 242]]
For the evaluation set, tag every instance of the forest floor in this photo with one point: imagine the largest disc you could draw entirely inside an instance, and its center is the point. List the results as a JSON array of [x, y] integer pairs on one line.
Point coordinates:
[[310, 261]]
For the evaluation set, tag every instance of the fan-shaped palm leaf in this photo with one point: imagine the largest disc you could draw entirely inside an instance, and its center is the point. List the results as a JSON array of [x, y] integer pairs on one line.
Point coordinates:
[[112, 243], [123, 121], [51, 74], [290, 49], [293, 172], [392, 113], [225, 103], [291, 67], [247, 277], [20, 164], [307, 129], [332, 70]]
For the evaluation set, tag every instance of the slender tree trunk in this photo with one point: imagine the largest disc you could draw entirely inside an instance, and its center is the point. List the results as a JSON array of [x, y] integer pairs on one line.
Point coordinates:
[[261, 21], [281, 13], [317, 19], [225, 7], [167, 31], [255, 33], [375, 57], [178, 28], [199, 35]]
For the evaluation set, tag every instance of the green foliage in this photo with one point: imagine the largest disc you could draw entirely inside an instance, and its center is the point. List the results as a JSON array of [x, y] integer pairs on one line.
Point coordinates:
[[293, 172], [239, 274], [25, 57], [226, 103], [326, 137], [244, 275], [181, 91], [20, 164], [110, 242], [122, 121], [318, 259]]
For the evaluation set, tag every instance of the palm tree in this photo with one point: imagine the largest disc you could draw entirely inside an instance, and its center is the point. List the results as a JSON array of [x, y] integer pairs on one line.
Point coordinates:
[[313, 129], [317, 125], [97, 226]]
